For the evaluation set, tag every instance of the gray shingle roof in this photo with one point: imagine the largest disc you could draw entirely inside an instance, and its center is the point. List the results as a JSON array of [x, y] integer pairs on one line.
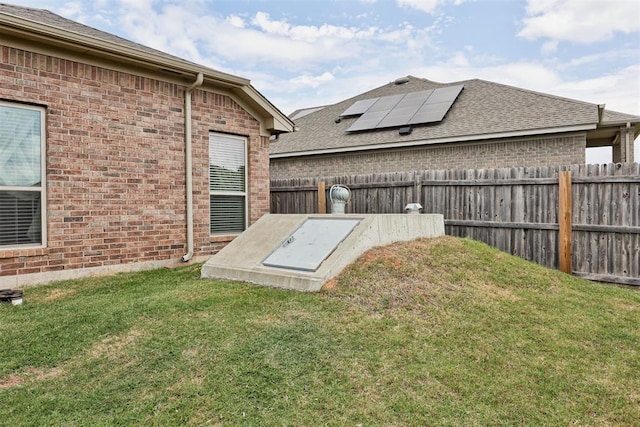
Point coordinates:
[[482, 108]]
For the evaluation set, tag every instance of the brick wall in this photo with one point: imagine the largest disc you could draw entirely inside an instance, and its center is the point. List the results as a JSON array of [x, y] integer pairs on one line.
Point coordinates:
[[115, 163], [540, 151]]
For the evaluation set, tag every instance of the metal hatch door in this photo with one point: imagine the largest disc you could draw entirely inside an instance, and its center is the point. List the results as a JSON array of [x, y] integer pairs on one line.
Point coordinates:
[[311, 243]]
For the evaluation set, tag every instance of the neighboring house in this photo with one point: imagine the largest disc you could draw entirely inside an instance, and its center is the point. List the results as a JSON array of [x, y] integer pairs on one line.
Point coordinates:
[[117, 157], [416, 124]]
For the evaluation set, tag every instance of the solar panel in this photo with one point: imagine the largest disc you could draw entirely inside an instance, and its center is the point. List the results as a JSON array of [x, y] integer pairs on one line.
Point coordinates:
[[405, 109], [385, 103], [445, 94], [421, 96], [359, 107], [369, 120], [426, 106], [397, 117], [430, 113]]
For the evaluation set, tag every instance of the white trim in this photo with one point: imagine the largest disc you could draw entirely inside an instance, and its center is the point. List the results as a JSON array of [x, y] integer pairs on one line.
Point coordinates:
[[244, 193], [228, 193], [43, 178], [42, 189], [466, 138]]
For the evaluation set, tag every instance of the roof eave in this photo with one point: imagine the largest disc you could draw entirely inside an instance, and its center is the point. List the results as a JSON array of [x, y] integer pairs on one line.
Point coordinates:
[[621, 122], [446, 140], [275, 120]]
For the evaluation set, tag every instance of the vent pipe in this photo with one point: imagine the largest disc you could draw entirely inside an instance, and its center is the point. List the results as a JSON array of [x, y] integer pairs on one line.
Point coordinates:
[[339, 196]]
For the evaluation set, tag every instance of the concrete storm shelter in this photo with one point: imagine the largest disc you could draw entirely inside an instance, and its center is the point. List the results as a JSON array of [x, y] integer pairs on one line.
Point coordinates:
[[303, 252]]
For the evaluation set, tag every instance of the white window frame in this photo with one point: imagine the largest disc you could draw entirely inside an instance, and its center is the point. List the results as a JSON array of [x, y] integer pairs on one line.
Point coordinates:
[[42, 189], [244, 194]]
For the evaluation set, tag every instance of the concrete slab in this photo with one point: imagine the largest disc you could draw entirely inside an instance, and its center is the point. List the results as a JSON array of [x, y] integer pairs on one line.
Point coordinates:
[[243, 258]]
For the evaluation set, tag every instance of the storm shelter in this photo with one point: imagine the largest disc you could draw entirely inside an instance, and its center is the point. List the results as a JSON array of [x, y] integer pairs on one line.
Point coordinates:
[[303, 252]]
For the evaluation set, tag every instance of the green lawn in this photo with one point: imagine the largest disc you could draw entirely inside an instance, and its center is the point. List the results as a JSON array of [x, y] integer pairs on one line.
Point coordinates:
[[433, 332]]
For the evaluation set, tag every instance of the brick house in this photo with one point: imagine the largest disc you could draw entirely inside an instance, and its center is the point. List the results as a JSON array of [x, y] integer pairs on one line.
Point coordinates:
[[118, 157], [405, 126]]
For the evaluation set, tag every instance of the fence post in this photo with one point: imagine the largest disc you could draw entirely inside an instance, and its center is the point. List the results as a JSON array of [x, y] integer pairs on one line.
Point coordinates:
[[322, 198], [565, 216], [417, 188]]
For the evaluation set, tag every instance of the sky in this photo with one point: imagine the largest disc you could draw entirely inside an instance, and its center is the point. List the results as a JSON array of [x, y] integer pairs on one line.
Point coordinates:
[[306, 53]]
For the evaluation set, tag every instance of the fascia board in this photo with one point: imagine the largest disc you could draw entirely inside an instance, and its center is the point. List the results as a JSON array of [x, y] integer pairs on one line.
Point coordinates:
[[465, 138], [621, 122], [269, 123], [276, 120]]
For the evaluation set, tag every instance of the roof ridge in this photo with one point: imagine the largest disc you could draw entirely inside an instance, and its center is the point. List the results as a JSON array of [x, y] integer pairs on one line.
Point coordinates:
[[440, 83], [535, 92]]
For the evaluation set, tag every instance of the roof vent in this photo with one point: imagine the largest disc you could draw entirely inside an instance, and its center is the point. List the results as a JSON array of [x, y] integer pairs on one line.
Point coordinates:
[[405, 130], [401, 80], [338, 120]]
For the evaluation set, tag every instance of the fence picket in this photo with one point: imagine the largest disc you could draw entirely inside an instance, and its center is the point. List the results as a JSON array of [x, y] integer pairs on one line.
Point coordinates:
[[513, 209]]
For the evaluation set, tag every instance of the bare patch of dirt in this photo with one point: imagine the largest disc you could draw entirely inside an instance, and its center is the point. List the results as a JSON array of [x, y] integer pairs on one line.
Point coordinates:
[[14, 380], [58, 294], [54, 294], [112, 347], [10, 381], [331, 284]]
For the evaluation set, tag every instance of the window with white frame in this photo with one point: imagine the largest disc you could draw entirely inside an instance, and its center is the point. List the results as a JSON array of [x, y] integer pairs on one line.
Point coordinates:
[[227, 183], [22, 190]]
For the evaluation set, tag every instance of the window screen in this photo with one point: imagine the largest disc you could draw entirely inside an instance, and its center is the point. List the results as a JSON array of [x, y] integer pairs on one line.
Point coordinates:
[[21, 175], [227, 184]]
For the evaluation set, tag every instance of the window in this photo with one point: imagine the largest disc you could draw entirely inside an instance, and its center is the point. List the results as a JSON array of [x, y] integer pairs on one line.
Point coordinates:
[[22, 194], [227, 184]]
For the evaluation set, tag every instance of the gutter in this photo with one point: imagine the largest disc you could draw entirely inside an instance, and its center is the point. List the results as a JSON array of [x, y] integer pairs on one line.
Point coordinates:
[[189, 165]]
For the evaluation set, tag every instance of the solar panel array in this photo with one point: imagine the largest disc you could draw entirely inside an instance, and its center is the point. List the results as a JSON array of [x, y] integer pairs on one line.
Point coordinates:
[[411, 108]]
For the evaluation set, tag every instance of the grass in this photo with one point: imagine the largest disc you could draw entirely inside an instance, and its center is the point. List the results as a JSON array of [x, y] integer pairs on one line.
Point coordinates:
[[433, 332]]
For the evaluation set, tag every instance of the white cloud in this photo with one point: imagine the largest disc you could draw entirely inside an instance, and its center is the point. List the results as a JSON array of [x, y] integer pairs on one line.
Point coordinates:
[[523, 74], [261, 41], [236, 21], [428, 6], [550, 47], [579, 21], [619, 90], [310, 33], [459, 59], [307, 80]]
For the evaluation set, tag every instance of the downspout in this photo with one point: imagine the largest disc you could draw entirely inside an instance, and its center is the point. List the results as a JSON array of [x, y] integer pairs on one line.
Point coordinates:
[[189, 165]]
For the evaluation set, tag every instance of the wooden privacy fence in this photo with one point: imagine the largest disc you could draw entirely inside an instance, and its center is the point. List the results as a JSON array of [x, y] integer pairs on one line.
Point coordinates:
[[583, 219]]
